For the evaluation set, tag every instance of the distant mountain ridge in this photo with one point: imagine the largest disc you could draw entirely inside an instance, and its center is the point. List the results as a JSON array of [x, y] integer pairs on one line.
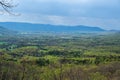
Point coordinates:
[[29, 27]]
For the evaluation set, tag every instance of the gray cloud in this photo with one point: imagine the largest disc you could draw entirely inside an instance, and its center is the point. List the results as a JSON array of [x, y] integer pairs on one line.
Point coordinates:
[[103, 13]]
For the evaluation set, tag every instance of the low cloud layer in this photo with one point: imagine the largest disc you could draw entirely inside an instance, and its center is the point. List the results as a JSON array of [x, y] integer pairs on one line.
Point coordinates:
[[104, 13]]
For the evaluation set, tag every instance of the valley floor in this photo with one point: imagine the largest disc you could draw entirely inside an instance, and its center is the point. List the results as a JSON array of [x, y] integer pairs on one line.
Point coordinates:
[[60, 57]]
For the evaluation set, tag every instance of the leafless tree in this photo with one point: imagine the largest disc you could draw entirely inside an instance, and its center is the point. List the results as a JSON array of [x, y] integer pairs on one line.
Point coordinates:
[[7, 5]]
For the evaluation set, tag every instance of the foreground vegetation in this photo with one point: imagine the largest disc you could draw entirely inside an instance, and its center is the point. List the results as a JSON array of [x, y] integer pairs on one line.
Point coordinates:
[[82, 56]]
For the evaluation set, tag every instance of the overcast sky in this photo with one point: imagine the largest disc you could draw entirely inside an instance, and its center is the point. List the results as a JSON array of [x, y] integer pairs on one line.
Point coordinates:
[[101, 13]]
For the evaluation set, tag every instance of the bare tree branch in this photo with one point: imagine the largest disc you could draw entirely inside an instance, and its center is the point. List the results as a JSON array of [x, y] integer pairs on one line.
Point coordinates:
[[7, 5]]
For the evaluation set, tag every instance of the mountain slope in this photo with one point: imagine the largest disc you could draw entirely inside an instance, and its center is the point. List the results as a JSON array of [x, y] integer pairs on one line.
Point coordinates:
[[5, 31], [28, 27]]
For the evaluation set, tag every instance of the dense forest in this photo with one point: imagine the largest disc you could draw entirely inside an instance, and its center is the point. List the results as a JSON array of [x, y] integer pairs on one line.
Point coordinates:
[[76, 56]]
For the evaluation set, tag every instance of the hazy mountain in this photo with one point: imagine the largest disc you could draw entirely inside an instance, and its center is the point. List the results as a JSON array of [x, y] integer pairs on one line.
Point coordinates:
[[5, 31], [28, 27], [115, 30]]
